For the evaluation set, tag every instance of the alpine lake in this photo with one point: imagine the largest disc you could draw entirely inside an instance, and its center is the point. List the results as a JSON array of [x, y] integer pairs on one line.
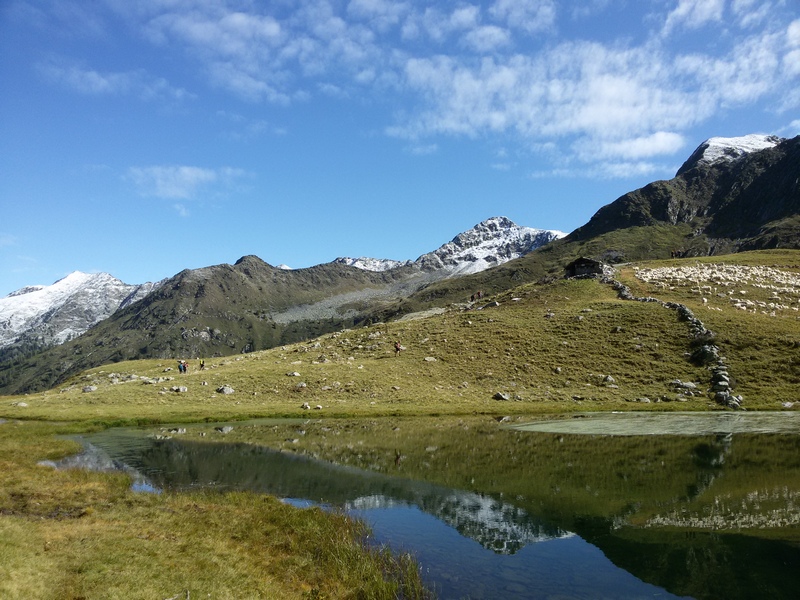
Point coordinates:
[[599, 505]]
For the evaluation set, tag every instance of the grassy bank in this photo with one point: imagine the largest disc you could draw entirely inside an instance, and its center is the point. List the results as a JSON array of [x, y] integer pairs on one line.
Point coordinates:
[[77, 534]]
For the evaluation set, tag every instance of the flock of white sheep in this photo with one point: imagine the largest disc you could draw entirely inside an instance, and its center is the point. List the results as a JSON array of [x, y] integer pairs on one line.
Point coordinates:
[[775, 291]]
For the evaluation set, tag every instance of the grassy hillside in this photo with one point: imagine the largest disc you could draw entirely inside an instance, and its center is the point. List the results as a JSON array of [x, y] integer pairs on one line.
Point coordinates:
[[214, 311], [565, 345]]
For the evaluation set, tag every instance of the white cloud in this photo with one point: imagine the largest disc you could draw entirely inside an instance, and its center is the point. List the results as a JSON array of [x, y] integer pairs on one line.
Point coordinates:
[[439, 26], [424, 149], [383, 14], [658, 143], [465, 17], [751, 13], [746, 74], [793, 34], [470, 69], [606, 170], [575, 89], [528, 15], [792, 129], [791, 63], [487, 38], [6, 239], [694, 14], [89, 81], [180, 181]]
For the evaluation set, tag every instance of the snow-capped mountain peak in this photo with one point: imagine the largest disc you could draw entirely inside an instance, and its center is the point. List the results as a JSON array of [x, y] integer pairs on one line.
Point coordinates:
[[491, 242], [52, 314], [488, 244], [727, 149]]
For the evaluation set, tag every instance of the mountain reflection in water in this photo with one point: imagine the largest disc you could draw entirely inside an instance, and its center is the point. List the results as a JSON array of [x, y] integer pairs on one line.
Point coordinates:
[[537, 513]]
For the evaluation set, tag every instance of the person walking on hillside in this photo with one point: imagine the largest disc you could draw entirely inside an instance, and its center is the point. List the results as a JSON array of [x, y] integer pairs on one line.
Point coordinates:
[[397, 348]]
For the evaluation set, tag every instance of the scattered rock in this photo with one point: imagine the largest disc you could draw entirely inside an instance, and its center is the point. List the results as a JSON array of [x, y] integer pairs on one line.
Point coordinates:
[[223, 429], [225, 389], [429, 359], [179, 388], [89, 388], [501, 396]]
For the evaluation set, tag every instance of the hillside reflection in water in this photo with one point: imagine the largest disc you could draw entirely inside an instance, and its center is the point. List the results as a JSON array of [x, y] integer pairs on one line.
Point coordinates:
[[493, 511]]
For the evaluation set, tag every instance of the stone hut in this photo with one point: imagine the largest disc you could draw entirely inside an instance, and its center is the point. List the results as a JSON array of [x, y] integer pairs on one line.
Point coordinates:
[[584, 267]]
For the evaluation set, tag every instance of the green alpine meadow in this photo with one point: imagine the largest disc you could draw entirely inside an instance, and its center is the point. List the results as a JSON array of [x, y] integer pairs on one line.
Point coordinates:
[[540, 350]]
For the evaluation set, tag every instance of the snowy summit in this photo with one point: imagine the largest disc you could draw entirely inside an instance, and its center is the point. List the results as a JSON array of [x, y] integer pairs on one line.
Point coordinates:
[[55, 313], [490, 243], [721, 149]]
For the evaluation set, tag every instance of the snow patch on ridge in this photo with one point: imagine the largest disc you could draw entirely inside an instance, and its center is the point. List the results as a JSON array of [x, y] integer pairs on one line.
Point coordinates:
[[372, 264], [729, 149]]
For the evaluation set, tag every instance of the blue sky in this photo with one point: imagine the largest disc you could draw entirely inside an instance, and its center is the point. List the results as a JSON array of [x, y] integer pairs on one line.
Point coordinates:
[[142, 138]]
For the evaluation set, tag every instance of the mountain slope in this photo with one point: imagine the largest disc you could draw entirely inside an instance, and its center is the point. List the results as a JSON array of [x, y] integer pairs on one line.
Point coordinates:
[[252, 305], [213, 311], [37, 317], [732, 200], [41, 316]]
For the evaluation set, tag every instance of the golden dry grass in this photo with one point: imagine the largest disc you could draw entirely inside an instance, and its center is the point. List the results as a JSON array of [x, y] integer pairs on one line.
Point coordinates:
[[74, 534]]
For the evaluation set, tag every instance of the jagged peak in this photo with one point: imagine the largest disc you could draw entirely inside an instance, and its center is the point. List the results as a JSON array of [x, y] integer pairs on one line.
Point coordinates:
[[487, 244]]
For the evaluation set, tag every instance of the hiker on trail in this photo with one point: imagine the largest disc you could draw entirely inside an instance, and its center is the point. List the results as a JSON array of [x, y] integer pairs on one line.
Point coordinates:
[[397, 348]]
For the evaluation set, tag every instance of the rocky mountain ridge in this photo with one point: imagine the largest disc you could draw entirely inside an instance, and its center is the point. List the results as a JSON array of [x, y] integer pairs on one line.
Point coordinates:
[[743, 197], [37, 317]]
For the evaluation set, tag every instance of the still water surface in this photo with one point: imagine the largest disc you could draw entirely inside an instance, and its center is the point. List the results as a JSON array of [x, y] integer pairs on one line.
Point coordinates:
[[594, 507]]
